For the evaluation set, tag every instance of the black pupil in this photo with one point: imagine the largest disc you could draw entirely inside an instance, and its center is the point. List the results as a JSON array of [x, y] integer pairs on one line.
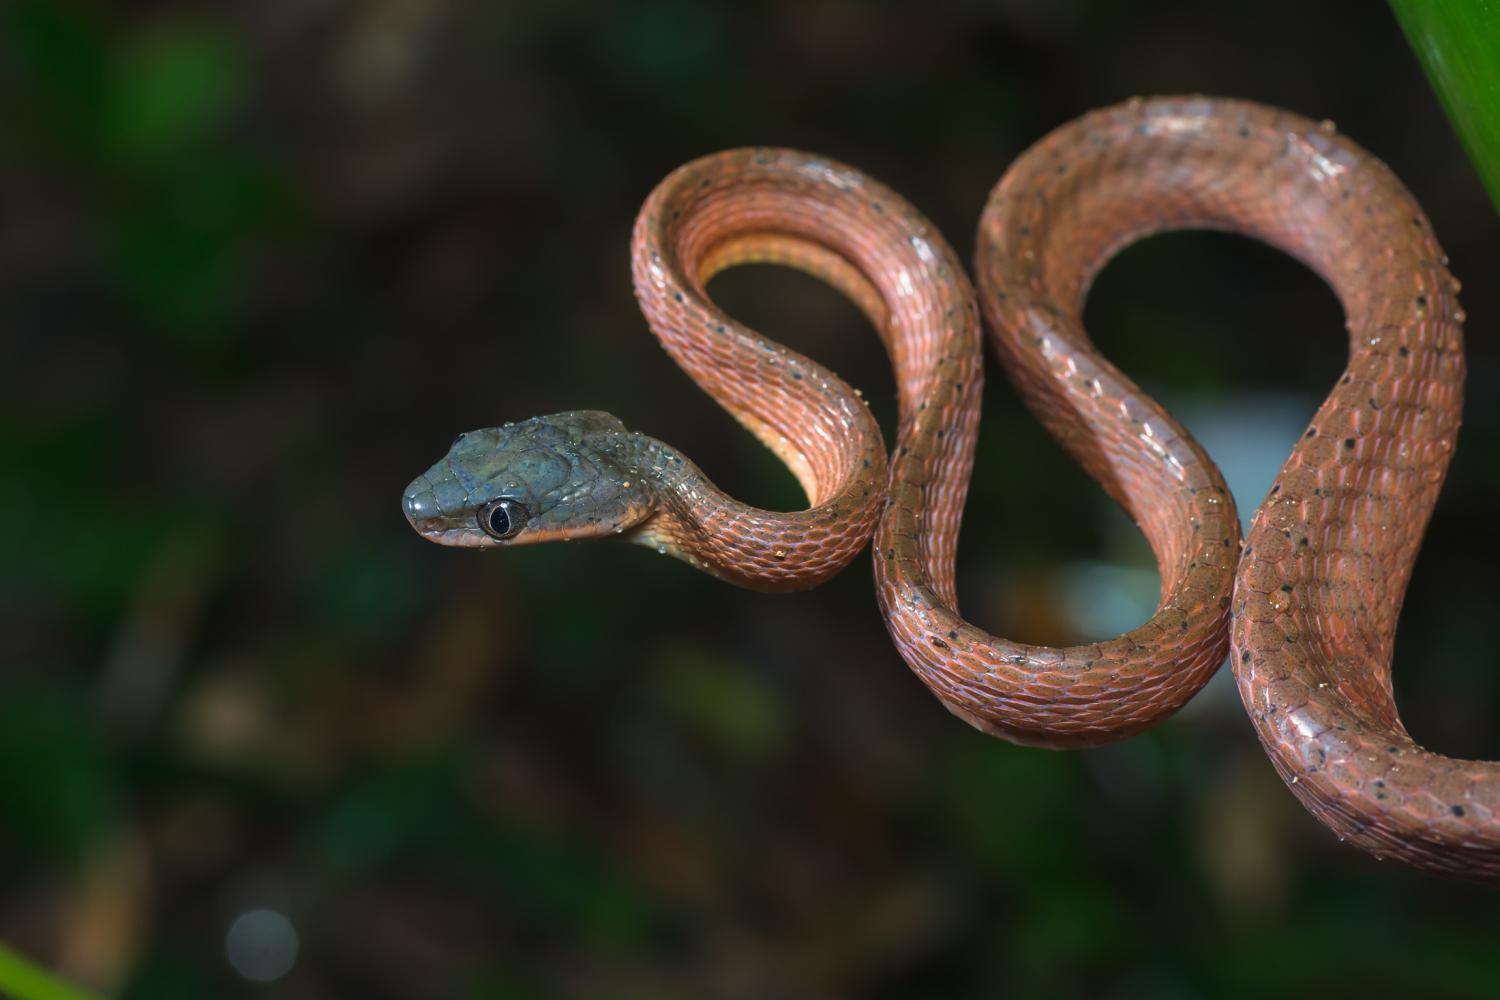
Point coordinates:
[[500, 519]]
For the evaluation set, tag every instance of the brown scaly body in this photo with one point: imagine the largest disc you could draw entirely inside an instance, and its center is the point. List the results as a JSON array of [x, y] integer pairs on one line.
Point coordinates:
[[834, 222], [1317, 591], [1330, 551]]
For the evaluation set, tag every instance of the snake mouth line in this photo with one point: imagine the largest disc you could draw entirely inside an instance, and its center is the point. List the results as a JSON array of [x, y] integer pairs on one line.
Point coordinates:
[[460, 538]]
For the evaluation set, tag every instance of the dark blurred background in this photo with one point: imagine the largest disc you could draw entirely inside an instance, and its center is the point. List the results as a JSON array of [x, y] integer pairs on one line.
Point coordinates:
[[260, 262]]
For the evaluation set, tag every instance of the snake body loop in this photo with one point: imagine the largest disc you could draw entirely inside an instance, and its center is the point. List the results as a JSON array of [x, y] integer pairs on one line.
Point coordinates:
[[1330, 550], [834, 222], [1329, 554], [1313, 598]]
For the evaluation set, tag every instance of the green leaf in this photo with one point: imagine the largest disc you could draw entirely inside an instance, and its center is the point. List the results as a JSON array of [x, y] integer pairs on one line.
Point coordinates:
[[21, 979], [1458, 43]]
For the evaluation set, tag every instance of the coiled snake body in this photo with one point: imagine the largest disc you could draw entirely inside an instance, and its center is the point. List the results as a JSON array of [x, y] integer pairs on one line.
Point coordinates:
[[1313, 597]]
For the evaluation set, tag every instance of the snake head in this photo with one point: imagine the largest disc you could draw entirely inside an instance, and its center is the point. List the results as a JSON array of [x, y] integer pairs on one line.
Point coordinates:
[[552, 478]]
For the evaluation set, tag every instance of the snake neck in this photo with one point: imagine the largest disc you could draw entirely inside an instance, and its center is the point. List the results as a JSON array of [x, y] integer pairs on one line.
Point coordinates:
[[681, 497], [696, 522]]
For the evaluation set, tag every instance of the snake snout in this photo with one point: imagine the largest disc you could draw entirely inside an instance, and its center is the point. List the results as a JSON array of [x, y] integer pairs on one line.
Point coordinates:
[[419, 504]]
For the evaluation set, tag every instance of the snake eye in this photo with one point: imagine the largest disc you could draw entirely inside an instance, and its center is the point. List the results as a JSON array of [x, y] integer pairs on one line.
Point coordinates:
[[502, 519]]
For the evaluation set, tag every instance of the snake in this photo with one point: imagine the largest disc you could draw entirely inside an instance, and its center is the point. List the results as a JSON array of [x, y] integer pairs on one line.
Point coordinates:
[[1304, 606]]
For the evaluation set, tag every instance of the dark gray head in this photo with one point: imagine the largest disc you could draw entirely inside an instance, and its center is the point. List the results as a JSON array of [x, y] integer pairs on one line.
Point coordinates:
[[545, 479]]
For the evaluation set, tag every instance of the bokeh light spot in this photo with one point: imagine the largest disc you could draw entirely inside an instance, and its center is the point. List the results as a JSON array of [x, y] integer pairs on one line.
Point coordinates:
[[261, 945]]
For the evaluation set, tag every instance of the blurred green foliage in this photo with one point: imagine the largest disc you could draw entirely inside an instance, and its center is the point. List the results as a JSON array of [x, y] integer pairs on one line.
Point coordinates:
[[142, 120], [58, 787]]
